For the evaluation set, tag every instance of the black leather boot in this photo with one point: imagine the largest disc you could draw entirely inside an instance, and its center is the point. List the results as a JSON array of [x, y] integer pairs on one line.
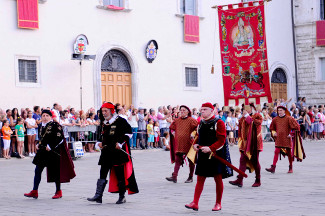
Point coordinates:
[[101, 183], [121, 199]]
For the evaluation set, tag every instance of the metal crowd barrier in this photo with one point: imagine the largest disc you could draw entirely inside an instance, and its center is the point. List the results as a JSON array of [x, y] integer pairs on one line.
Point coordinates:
[[79, 136]]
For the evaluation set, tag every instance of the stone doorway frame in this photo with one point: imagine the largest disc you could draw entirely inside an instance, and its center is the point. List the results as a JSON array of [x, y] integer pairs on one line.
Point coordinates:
[[291, 80], [97, 72]]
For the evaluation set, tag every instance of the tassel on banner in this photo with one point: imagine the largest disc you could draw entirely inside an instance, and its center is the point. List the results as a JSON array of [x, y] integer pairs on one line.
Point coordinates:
[[212, 69]]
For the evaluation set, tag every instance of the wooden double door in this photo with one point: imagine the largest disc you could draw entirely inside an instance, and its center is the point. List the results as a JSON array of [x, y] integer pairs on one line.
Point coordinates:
[[116, 87], [279, 91]]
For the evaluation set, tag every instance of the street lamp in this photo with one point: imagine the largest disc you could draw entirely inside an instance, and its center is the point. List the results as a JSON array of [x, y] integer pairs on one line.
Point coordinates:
[[80, 58]]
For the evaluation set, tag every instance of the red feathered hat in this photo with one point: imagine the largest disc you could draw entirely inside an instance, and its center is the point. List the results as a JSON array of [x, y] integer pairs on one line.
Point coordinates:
[[209, 105], [53, 114], [110, 106]]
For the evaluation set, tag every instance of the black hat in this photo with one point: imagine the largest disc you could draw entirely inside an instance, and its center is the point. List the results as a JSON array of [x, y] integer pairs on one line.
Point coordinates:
[[47, 112]]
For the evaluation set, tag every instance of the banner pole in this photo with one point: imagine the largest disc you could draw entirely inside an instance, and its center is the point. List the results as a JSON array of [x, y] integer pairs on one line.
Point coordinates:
[[216, 6]]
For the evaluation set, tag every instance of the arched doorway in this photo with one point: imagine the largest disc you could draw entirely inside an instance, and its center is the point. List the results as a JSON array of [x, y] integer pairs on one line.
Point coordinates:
[[279, 84], [116, 81]]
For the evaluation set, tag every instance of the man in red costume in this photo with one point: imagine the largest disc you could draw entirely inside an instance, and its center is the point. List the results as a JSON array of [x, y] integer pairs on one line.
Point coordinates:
[[212, 139], [281, 128], [182, 128], [115, 156], [52, 153], [250, 144]]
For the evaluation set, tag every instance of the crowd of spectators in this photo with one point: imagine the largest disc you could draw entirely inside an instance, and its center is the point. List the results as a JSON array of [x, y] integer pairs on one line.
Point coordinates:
[[19, 130]]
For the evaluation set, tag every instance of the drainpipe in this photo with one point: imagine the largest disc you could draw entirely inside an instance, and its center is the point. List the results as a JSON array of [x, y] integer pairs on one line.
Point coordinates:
[[294, 48]]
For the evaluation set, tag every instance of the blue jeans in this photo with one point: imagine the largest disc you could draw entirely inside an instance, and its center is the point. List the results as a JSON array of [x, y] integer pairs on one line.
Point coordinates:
[[163, 130], [133, 140]]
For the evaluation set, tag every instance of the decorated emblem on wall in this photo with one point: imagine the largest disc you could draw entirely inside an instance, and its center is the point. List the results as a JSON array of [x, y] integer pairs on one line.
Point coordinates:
[[151, 51], [80, 45]]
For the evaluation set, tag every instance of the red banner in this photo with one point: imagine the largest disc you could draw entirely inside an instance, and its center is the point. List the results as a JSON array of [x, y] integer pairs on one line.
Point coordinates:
[[320, 33], [27, 11], [191, 28], [244, 53]]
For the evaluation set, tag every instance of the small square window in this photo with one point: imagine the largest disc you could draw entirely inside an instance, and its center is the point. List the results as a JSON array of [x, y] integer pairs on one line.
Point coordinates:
[[191, 76], [188, 7], [322, 69], [27, 71], [117, 3]]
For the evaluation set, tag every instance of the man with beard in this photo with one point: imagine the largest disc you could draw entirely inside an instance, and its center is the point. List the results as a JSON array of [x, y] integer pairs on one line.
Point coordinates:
[[115, 156]]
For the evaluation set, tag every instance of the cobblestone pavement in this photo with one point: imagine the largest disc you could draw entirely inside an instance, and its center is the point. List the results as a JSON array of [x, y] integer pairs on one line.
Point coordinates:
[[300, 193]]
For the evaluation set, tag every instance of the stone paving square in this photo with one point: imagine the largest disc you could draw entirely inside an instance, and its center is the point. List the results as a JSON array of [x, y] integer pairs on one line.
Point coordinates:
[[300, 193]]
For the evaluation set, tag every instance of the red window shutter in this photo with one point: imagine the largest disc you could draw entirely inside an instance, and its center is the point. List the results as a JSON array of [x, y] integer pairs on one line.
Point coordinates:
[[191, 28], [320, 33], [27, 11], [113, 7]]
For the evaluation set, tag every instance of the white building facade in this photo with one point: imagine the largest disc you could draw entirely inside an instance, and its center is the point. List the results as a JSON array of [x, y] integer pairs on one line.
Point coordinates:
[[180, 74]]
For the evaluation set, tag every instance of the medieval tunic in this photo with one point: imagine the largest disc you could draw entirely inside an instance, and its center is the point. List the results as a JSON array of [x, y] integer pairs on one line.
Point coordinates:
[[249, 131], [183, 128], [250, 143], [212, 133], [112, 133], [58, 161], [247, 127], [283, 126]]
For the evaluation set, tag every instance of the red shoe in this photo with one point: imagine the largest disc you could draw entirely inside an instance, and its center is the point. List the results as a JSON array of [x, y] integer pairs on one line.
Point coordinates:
[[237, 182], [217, 207], [172, 178], [57, 195], [33, 194], [290, 169], [193, 206], [271, 169], [257, 182]]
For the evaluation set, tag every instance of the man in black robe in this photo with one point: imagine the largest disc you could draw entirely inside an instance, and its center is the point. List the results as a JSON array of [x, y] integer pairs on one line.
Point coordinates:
[[212, 140], [52, 153], [115, 156]]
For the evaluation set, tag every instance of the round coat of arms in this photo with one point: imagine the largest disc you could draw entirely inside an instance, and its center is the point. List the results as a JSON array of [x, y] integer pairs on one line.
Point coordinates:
[[151, 50]]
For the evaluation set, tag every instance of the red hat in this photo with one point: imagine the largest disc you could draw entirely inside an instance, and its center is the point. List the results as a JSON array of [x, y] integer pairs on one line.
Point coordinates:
[[209, 105], [282, 106], [109, 106], [189, 111]]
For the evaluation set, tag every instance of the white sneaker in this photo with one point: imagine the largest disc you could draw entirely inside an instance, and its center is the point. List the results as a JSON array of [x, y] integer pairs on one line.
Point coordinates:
[[33, 154], [30, 154]]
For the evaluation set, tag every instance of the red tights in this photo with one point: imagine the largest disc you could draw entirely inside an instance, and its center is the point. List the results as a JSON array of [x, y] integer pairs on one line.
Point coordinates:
[[200, 184], [277, 153]]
